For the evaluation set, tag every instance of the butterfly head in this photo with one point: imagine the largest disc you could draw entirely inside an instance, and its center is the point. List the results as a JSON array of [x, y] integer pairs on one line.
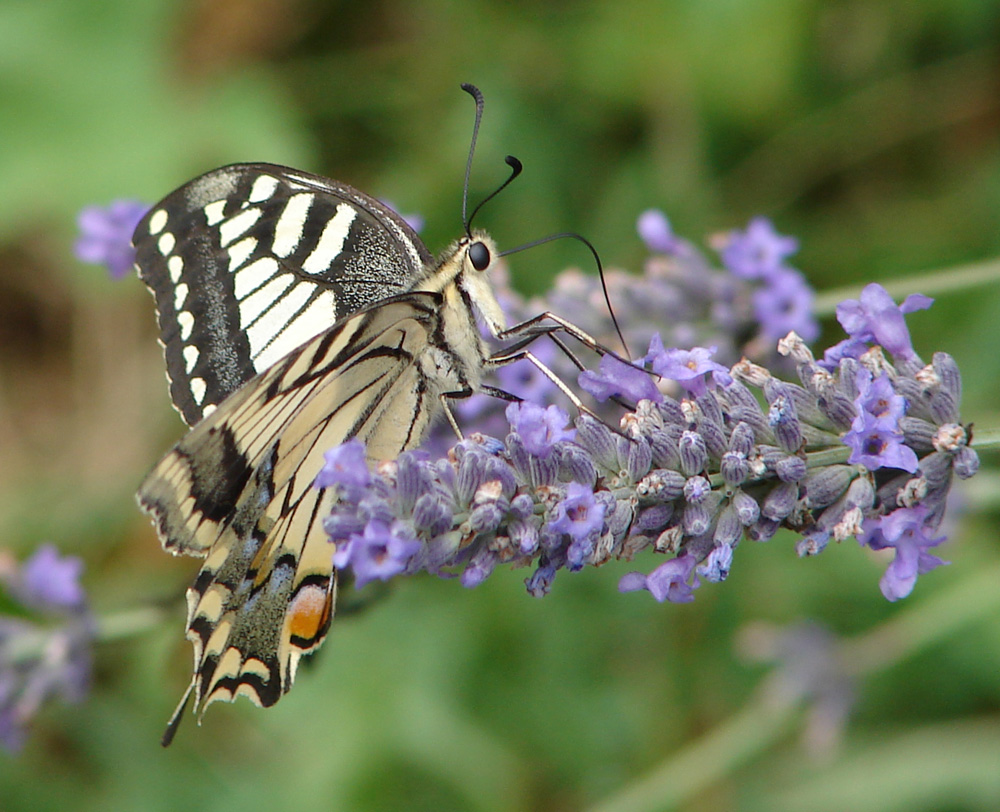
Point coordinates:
[[465, 269]]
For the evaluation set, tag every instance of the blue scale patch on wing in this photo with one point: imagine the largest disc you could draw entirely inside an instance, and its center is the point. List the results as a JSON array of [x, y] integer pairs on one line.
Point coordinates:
[[250, 261]]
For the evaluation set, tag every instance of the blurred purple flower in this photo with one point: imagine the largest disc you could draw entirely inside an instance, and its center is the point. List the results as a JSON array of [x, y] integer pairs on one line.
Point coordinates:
[[655, 230], [785, 303], [757, 252], [106, 235], [48, 657], [48, 579]]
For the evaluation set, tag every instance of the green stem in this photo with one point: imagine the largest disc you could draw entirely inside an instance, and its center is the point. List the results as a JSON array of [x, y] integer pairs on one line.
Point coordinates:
[[931, 283], [986, 439], [681, 777], [129, 623], [762, 722]]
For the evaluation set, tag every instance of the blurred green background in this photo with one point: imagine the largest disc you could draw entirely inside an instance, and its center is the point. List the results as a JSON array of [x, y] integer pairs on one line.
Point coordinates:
[[870, 130]]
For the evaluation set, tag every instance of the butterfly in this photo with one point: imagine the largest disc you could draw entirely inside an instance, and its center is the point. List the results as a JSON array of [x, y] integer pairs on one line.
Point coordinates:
[[295, 312]]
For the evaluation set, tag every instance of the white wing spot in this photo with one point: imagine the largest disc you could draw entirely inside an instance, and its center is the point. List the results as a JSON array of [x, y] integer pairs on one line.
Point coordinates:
[[166, 243], [331, 242], [288, 229], [214, 212], [281, 330], [190, 357], [186, 322], [255, 304], [180, 296], [157, 220], [209, 408], [240, 252], [198, 389], [233, 228], [175, 265], [262, 188], [248, 279]]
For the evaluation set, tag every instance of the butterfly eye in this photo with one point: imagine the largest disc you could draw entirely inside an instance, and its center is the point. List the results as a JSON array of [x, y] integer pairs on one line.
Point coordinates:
[[479, 256]]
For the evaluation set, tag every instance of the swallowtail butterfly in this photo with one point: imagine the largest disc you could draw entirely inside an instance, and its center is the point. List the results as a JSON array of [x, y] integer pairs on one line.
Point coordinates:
[[295, 312]]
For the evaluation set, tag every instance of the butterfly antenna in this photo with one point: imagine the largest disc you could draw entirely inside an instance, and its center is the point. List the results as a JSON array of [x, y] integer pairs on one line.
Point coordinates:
[[514, 164], [476, 94], [600, 271]]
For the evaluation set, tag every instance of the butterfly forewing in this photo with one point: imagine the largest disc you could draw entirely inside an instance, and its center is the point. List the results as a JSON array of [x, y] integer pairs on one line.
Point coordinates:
[[249, 261]]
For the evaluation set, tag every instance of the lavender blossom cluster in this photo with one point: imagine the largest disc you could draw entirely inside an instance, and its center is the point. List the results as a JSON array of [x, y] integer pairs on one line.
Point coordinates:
[[865, 444], [46, 632]]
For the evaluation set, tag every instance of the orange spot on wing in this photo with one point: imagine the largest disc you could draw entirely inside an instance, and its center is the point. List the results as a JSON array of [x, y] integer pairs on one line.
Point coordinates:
[[309, 616]]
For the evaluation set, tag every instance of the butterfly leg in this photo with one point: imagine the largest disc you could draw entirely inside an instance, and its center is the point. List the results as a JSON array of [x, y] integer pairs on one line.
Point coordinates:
[[448, 413], [510, 356], [565, 326]]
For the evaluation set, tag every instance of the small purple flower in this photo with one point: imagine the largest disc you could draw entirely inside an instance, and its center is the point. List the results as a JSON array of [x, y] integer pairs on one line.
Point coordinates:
[[51, 580], [106, 235], [539, 428], [785, 304], [668, 582], [541, 579], [877, 397], [874, 316], [905, 531], [618, 379], [347, 466], [688, 367], [716, 566], [848, 348], [875, 437], [874, 444], [381, 552], [579, 515], [655, 230], [757, 252]]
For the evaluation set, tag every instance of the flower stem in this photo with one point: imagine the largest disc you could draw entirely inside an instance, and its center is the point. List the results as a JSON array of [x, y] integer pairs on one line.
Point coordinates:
[[932, 283], [986, 439], [129, 622], [699, 765], [762, 722]]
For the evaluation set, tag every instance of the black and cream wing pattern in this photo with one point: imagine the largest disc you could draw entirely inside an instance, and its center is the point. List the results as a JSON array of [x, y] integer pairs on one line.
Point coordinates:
[[249, 261], [287, 327]]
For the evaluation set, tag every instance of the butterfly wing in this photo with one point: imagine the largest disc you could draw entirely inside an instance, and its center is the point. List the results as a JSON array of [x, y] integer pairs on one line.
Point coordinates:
[[238, 489], [249, 261]]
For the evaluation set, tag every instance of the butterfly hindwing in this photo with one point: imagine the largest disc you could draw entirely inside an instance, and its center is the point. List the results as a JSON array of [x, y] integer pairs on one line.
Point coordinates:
[[249, 261], [238, 488]]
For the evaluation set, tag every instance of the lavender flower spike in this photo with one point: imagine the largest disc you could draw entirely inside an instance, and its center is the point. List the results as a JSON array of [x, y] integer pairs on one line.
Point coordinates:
[[866, 443]]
